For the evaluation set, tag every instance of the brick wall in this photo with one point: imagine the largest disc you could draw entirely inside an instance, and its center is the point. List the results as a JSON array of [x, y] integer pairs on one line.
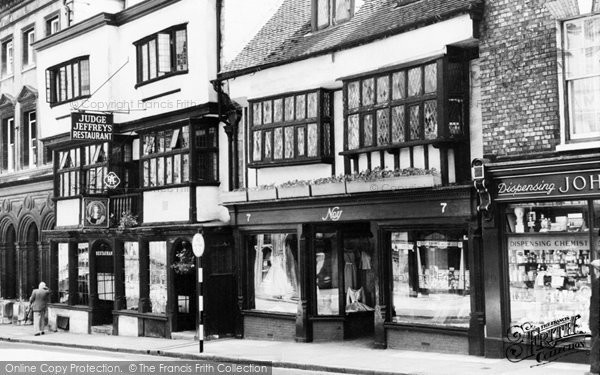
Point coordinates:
[[519, 83], [427, 341], [269, 328]]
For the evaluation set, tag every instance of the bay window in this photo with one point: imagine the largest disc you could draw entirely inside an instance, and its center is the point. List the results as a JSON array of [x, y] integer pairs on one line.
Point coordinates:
[[406, 106], [162, 54], [207, 162], [295, 128], [582, 77], [95, 167], [68, 172], [166, 157]]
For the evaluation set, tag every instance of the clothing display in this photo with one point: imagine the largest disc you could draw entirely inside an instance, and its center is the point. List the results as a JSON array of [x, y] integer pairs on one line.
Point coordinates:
[[354, 300], [350, 280], [365, 261]]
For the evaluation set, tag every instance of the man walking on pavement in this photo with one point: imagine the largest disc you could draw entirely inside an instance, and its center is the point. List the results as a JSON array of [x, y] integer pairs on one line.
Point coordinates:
[[39, 304]]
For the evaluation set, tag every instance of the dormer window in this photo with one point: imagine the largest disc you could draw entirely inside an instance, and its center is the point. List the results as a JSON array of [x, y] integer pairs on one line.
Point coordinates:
[[331, 12]]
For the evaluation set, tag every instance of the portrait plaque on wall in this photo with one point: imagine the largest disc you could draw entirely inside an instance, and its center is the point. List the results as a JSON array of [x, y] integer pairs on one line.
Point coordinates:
[[95, 212]]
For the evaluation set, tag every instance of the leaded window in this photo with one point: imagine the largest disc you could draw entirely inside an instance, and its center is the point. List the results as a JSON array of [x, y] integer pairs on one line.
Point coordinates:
[[162, 54], [405, 106], [207, 154], [68, 81], [69, 164], [291, 129], [166, 157]]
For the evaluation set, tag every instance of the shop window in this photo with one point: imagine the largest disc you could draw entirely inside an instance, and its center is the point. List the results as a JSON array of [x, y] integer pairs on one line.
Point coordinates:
[[8, 57], [549, 257], [331, 12], [165, 157], [68, 81], [83, 274], [8, 144], [69, 172], [406, 106], [63, 272], [158, 276], [105, 275], [275, 273], [291, 129], [30, 141], [28, 40], [207, 153], [582, 76], [430, 278], [132, 275], [162, 54], [345, 278]]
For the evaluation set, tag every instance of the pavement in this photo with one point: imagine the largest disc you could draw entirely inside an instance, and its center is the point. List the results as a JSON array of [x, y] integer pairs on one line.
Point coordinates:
[[350, 357]]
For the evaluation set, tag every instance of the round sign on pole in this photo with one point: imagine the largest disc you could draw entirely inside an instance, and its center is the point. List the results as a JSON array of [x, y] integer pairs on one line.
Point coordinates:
[[198, 244]]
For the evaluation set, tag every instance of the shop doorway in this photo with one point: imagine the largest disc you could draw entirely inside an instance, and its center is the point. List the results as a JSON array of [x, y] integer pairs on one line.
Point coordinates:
[[105, 276], [31, 269], [219, 287], [345, 277], [10, 287], [185, 285]]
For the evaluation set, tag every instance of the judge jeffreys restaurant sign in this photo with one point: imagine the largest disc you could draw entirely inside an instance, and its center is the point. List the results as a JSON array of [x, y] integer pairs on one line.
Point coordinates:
[[92, 126], [559, 185]]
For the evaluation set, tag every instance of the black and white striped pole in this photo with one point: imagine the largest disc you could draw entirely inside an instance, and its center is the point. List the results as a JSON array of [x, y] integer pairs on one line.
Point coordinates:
[[198, 248]]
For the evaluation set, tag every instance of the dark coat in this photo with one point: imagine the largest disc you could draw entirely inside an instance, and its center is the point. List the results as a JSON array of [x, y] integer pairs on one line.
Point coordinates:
[[39, 299]]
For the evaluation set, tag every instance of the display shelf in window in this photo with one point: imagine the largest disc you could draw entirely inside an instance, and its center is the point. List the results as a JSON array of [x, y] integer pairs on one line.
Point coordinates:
[[546, 218], [291, 129], [420, 103]]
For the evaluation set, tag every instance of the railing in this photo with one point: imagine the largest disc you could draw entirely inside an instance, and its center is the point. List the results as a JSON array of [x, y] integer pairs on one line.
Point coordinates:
[[124, 203]]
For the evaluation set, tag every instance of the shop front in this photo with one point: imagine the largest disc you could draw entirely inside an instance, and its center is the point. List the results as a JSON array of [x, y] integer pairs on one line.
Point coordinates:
[[394, 268], [539, 243]]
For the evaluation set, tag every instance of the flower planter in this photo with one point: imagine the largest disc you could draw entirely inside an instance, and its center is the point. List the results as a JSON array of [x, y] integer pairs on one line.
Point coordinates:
[[262, 194], [331, 188], [394, 183], [233, 196], [293, 191]]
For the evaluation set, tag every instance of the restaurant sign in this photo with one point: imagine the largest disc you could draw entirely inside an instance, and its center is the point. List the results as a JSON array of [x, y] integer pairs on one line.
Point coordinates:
[[92, 126], [561, 185]]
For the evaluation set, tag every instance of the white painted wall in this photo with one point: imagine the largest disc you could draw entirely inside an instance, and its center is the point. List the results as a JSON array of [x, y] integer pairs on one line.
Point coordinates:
[[111, 49], [326, 71], [68, 212], [172, 204], [83, 9], [128, 326]]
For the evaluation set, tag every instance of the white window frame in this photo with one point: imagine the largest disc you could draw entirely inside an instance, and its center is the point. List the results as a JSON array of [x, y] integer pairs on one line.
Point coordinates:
[[28, 40], [8, 54], [32, 141], [11, 146], [567, 140]]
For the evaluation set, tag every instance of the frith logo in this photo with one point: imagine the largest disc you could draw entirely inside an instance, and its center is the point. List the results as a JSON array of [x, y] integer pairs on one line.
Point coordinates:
[[333, 214]]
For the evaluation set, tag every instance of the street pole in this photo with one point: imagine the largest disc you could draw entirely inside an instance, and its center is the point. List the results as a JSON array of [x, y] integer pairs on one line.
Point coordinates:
[[200, 307], [198, 248]]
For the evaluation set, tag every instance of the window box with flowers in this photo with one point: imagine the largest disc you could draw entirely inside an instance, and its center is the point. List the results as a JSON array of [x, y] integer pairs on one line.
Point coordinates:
[[385, 180], [238, 195], [294, 189], [262, 193], [334, 185]]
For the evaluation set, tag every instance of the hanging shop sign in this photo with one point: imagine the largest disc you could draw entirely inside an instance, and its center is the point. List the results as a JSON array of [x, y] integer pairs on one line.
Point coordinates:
[[92, 126], [563, 185]]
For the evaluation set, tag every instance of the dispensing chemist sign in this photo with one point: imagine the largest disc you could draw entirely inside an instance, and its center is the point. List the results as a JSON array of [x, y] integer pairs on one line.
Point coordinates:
[[92, 126]]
